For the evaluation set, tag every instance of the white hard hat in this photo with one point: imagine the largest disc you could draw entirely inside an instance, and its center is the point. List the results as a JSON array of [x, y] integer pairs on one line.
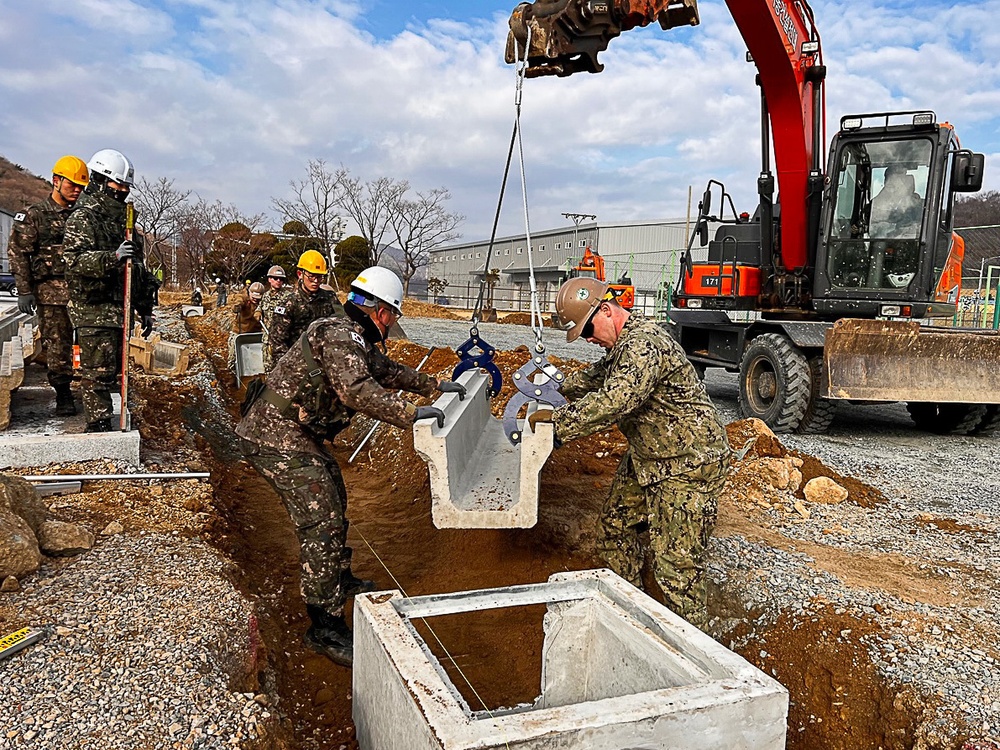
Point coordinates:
[[381, 284], [113, 165]]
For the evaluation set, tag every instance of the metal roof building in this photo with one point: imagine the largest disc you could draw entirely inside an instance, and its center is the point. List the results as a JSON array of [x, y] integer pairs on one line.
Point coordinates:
[[6, 222]]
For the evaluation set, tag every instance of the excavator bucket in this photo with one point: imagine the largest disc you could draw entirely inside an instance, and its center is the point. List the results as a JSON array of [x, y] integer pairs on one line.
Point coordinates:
[[890, 360], [479, 480], [565, 36]]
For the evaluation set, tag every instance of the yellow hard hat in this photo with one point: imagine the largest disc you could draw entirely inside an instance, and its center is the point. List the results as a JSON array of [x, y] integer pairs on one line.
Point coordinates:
[[73, 169], [313, 262]]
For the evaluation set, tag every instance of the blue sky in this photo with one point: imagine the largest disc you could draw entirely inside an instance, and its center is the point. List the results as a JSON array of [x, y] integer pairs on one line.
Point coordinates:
[[231, 98]]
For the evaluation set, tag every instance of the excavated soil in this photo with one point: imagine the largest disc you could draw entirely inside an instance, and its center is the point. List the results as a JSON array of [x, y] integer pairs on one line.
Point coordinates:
[[838, 700]]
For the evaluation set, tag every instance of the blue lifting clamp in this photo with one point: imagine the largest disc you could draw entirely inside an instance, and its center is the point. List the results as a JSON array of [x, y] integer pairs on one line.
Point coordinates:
[[477, 353]]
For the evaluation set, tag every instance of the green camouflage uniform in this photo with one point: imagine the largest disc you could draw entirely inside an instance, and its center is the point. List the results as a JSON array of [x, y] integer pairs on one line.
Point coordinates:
[[671, 475], [97, 295], [290, 319], [272, 298], [36, 260], [286, 445]]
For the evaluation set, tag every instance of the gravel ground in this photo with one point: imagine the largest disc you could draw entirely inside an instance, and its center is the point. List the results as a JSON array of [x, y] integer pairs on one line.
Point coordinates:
[[936, 620], [148, 663]]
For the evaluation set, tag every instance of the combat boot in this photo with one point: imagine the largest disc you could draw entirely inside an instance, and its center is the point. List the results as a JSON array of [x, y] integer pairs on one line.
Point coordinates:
[[101, 425], [65, 406], [330, 636], [352, 585]]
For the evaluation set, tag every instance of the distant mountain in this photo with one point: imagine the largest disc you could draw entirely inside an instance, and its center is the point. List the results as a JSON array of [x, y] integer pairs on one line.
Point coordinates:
[[20, 188]]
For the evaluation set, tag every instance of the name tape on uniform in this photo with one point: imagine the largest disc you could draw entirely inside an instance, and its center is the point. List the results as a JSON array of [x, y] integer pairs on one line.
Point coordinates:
[[11, 644]]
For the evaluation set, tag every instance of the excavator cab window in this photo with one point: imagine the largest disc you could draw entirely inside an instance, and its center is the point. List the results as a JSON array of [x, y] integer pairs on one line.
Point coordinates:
[[881, 189]]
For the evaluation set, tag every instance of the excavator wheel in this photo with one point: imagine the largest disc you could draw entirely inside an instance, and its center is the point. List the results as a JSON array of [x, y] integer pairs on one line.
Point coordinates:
[[989, 423], [774, 382], [819, 411], [945, 419]]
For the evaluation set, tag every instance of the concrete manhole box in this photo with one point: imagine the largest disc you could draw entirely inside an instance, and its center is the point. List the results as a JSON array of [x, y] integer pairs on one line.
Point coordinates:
[[619, 672]]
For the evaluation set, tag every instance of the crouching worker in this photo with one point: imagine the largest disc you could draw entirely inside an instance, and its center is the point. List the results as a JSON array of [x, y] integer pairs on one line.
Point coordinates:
[[333, 371], [670, 477]]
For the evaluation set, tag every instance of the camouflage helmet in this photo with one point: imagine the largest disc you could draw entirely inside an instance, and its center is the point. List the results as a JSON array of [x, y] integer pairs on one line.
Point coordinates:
[[576, 302]]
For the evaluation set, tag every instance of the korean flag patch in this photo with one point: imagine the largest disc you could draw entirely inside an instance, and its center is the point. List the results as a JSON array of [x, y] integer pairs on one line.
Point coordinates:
[[19, 216], [358, 339], [280, 310]]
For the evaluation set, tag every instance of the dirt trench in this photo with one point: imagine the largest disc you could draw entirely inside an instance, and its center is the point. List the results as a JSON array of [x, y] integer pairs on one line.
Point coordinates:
[[838, 701]]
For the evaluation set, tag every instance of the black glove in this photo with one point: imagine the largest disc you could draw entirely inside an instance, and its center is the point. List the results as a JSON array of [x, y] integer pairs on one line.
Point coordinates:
[[424, 412], [450, 386], [125, 251], [26, 303], [147, 324]]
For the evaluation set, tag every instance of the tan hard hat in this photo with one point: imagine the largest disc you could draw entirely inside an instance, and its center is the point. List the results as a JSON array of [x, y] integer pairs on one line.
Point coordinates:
[[276, 272], [577, 300]]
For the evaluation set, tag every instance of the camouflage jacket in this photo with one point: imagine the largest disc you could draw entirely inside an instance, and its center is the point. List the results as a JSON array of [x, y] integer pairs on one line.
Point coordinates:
[[96, 279], [646, 386], [356, 377], [36, 252], [290, 318]]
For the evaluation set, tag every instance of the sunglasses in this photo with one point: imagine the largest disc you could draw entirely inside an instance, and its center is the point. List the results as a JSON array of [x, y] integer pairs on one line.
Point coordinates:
[[588, 328]]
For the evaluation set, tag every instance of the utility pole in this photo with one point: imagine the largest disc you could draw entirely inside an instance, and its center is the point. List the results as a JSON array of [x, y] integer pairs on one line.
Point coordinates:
[[578, 219]]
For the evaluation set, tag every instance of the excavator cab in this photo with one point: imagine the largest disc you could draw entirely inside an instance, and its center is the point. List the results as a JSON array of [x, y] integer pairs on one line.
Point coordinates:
[[887, 243]]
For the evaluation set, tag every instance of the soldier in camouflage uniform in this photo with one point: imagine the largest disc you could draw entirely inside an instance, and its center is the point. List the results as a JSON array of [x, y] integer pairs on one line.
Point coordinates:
[[305, 303], [670, 477], [96, 253], [277, 295], [335, 370], [36, 260]]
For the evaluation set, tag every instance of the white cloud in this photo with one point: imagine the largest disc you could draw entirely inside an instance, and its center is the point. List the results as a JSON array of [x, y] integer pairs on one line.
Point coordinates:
[[232, 98]]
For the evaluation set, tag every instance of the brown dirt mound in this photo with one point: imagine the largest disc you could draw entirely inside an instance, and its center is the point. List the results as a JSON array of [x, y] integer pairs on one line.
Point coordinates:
[[416, 309], [524, 319]]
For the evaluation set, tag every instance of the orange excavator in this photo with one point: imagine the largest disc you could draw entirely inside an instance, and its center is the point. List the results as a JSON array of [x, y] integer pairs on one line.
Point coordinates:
[[591, 265], [825, 293]]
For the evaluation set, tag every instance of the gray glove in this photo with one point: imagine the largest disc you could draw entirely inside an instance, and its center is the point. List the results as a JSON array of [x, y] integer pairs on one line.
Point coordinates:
[[425, 412], [450, 386], [125, 251], [26, 303]]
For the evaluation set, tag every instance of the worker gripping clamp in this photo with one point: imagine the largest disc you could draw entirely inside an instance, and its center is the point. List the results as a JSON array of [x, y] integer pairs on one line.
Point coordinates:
[[545, 392], [477, 353]]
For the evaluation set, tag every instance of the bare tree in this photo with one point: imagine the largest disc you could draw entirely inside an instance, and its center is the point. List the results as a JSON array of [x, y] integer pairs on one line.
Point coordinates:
[[372, 206], [201, 250], [160, 206], [316, 204], [419, 226]]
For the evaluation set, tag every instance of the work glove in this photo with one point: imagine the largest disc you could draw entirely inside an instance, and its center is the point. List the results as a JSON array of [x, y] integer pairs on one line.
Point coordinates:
[[450, 386], [26, 303], [125, 251], [424, 412], [147, 324], [539, 415]]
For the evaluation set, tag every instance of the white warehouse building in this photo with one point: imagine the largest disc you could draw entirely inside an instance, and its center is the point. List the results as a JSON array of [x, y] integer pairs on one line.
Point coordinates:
[[647, 252]]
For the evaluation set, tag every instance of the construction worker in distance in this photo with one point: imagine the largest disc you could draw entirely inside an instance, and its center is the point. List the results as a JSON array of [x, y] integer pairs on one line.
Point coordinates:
[[36, 260], [670, 477], [276, 295], [306, 303], [336, 369], [96, 254], [246, 318]]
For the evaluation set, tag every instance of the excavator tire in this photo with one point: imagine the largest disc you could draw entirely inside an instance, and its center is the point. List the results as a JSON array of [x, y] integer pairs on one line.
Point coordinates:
[[989, 423], [774, 382], [945, 419], [819, 411]]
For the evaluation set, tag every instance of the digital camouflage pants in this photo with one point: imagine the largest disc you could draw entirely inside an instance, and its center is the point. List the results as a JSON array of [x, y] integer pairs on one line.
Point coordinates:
[[57, 337], [680, 514], [313, 492], [100, 368]]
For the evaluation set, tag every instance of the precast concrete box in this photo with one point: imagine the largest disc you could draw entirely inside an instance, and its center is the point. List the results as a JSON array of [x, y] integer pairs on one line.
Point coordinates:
[[479, 480], [619, 672]]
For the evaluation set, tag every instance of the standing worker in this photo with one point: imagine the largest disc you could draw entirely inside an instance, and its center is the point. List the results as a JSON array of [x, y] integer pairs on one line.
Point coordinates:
[[670, 477], [246, 318], [277, 295], [335, 370], [97, 255], [36, 260], [306, 303]]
